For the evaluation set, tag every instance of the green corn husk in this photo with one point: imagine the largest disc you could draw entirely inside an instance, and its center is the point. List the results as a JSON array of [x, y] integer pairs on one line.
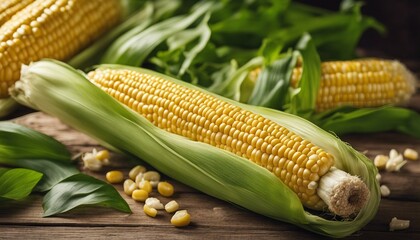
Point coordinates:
[[45, 85]]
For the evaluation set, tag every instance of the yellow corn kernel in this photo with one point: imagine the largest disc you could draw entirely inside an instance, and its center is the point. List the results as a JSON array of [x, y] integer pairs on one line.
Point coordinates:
[[51, 29], [114, 176], [398, 224], [8, 8], [361, 83], [172, 206], [153, 177], [135, 171], [380, 161], [165, 189], [385, 191], [205, 118], [140, 195], [129, 186], [102, 155], [151, 212], [146, 186], [411, 154], [181, 218], [154, 203]]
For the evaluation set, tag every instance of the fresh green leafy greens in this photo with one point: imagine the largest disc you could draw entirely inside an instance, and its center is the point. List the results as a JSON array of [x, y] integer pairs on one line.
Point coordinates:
[[17, 183], [43, 164], [217, 44], [80, 190]]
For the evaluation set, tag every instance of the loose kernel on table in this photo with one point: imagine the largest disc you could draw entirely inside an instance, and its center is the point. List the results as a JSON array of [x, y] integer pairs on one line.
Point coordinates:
[[411, 154], [134, 172], [153, 177], [380, 161], [154, 203], [150, 211], [172, 206], [145, 185], [129, 186], [102, 155], [140, 195], [395, 162], [165, 189], [398, 224], [181, 218], [385, 191], [114, 176]]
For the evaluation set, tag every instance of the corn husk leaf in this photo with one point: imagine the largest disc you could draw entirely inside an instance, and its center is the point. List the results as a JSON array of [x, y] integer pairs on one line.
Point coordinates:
[[45, 85], [346, 120], [17, 183], [7, 106], [133, 47]]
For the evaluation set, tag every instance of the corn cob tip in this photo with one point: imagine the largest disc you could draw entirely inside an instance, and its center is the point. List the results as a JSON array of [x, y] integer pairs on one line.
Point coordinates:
[[410, 79], [344, 194]]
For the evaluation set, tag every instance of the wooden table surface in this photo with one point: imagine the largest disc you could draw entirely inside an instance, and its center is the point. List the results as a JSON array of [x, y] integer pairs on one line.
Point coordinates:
[[211, 218]]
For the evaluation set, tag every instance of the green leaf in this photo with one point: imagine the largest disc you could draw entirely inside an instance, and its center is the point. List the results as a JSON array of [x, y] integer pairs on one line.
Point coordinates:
[[7, 106], [79, 190], [136, 45], [26, 148], [17, 183], [19, 142], [230, 87], [53, 171], [273, 83], [303, 103], [367, 120]]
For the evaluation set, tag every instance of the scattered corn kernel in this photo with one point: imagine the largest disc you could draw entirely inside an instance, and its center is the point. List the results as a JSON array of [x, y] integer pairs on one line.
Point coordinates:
[[153, 177], [395, 163], [135, 171], [398, 224], [150, 211], [378, 177], [145, 185], [140, 195], [380, 161], [393, 153], [411, 154], [165, 189], [139, 177], [385, 191], [102, 155], [181, 218], [154, 203], [172, 206], [91, 162], [129, 186], [114, 176]]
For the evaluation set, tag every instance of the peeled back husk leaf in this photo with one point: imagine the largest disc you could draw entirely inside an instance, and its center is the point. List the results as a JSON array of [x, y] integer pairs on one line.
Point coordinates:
[[45, 85]]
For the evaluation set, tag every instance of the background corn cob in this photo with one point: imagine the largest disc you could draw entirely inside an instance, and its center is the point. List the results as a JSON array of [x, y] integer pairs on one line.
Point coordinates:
[[361, 83], [198, 116], [51, 29]]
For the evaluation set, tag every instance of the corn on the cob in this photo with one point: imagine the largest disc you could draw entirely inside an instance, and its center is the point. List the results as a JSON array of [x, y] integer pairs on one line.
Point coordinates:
[[202, 117], [361, 83], [8, 8], [51, 28]]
